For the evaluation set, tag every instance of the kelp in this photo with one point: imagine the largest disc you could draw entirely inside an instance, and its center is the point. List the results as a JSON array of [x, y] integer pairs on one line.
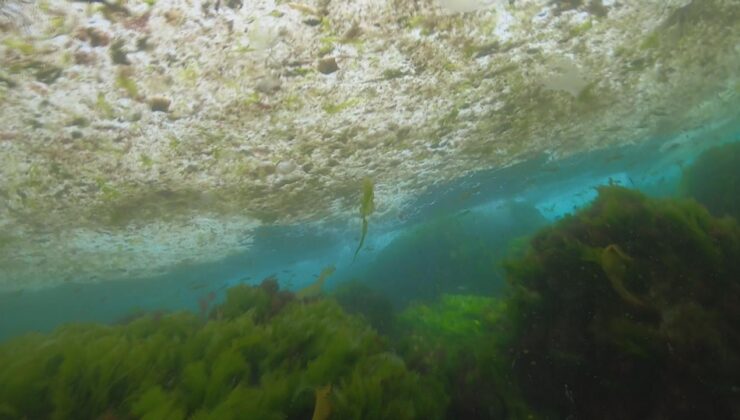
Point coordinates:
[[261, 354], [629, 309], [322, 407], [367, 206]]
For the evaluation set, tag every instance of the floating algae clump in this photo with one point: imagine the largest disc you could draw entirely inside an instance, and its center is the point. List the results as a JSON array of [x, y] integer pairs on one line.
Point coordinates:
[[714, 180], [629, 309], [260, 355]]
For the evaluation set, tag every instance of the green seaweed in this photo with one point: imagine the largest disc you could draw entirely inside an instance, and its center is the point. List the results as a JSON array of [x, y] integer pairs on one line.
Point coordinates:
[[19, 45], [146, 160], [641, 293], [127, 83], [335, 108], [367, 206], [104, 107], [461, 341], [155, 404], [260, 354]]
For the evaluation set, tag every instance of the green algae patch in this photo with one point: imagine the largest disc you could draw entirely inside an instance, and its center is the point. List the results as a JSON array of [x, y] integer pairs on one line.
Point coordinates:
[[332, 108], [639, 293], [461, 341], [261, 353], [125, 81]]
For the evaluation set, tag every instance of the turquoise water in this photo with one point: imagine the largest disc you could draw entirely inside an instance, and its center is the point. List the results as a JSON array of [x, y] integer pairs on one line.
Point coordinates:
[[495, 206], [369, 210]]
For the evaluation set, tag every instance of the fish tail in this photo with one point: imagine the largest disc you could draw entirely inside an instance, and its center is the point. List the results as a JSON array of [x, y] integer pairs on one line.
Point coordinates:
[[362, 238]]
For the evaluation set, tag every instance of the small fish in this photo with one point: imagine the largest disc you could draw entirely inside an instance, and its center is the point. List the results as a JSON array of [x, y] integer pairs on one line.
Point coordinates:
[[322, 408]]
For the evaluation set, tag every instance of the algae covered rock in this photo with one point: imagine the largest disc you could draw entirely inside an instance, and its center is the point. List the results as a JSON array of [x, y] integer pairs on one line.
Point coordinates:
[[630, 309], [260, 355]]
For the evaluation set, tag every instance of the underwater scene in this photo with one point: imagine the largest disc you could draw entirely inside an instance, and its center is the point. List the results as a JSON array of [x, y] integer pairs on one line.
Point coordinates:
[[370, 209]]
